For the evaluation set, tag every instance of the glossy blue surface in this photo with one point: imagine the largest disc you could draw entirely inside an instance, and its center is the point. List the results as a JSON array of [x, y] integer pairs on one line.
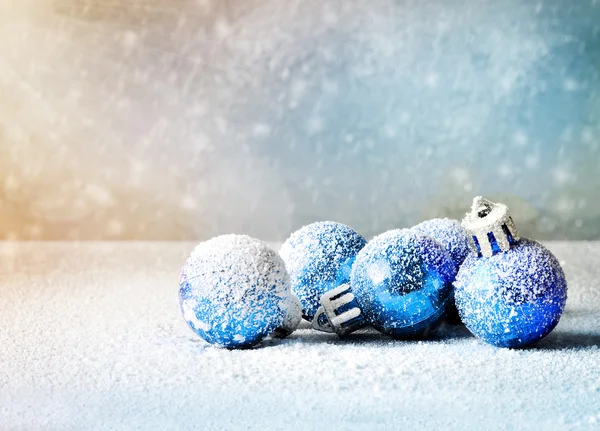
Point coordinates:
[[234, 296], [511, 299], [402, 282], [243, 328], [319, 258]]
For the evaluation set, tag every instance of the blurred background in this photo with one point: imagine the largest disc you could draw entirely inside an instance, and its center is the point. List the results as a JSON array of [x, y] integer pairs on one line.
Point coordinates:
[[184, 119]]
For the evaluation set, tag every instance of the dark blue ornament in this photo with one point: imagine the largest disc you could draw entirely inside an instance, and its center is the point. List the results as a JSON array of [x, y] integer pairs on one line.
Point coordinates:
[[511, 291], [402, 282], [455, 240], [319, 258], [450, 234], [234, 291]]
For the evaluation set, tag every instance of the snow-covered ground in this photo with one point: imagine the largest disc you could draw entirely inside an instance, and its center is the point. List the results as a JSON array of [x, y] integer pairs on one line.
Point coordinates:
[[91, 338]]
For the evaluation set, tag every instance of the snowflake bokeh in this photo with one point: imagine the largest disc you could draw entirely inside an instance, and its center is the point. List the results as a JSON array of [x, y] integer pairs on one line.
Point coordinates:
[[163, 119]]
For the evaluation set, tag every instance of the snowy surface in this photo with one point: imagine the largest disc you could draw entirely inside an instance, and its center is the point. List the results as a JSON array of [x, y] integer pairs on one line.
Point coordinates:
[[91, 338]]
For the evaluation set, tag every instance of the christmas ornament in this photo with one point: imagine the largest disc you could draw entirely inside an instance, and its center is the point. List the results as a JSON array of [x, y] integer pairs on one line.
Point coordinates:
[[455, 240], [234, 291], [510, 291], [450, 234], [319, 258], [400, 283]]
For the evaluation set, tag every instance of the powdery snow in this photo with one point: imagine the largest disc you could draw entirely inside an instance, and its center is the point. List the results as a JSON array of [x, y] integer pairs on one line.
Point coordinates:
[[92, 338]]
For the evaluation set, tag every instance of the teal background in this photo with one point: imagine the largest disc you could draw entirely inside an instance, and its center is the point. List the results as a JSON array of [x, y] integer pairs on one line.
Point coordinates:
[[183, 119]]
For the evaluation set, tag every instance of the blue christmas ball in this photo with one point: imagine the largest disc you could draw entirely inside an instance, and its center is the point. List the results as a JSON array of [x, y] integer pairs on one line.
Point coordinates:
[[402, 282], [234, 291], [450, 234], [455, 240], [319, 258], [512, 298]]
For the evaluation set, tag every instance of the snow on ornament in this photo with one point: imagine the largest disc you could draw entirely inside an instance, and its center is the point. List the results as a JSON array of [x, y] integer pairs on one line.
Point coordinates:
[[234, 291], [455, 240], [319, 258], [450, 234], [510, 291], [400, 283]]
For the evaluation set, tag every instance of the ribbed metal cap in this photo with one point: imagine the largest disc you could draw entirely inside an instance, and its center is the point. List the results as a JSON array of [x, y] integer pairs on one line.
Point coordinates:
[[491, 226], [339, 312]]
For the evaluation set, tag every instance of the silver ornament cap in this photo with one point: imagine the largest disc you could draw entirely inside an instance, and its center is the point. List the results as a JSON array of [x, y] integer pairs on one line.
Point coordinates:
[[339, 312], [491, 226]]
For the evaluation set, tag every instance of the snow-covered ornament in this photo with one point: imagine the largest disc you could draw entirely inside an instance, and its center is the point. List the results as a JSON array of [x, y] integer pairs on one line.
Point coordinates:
[[319, 258], [455, 240], [234, 291], [510, 291], [400, 283], [450, 234]]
